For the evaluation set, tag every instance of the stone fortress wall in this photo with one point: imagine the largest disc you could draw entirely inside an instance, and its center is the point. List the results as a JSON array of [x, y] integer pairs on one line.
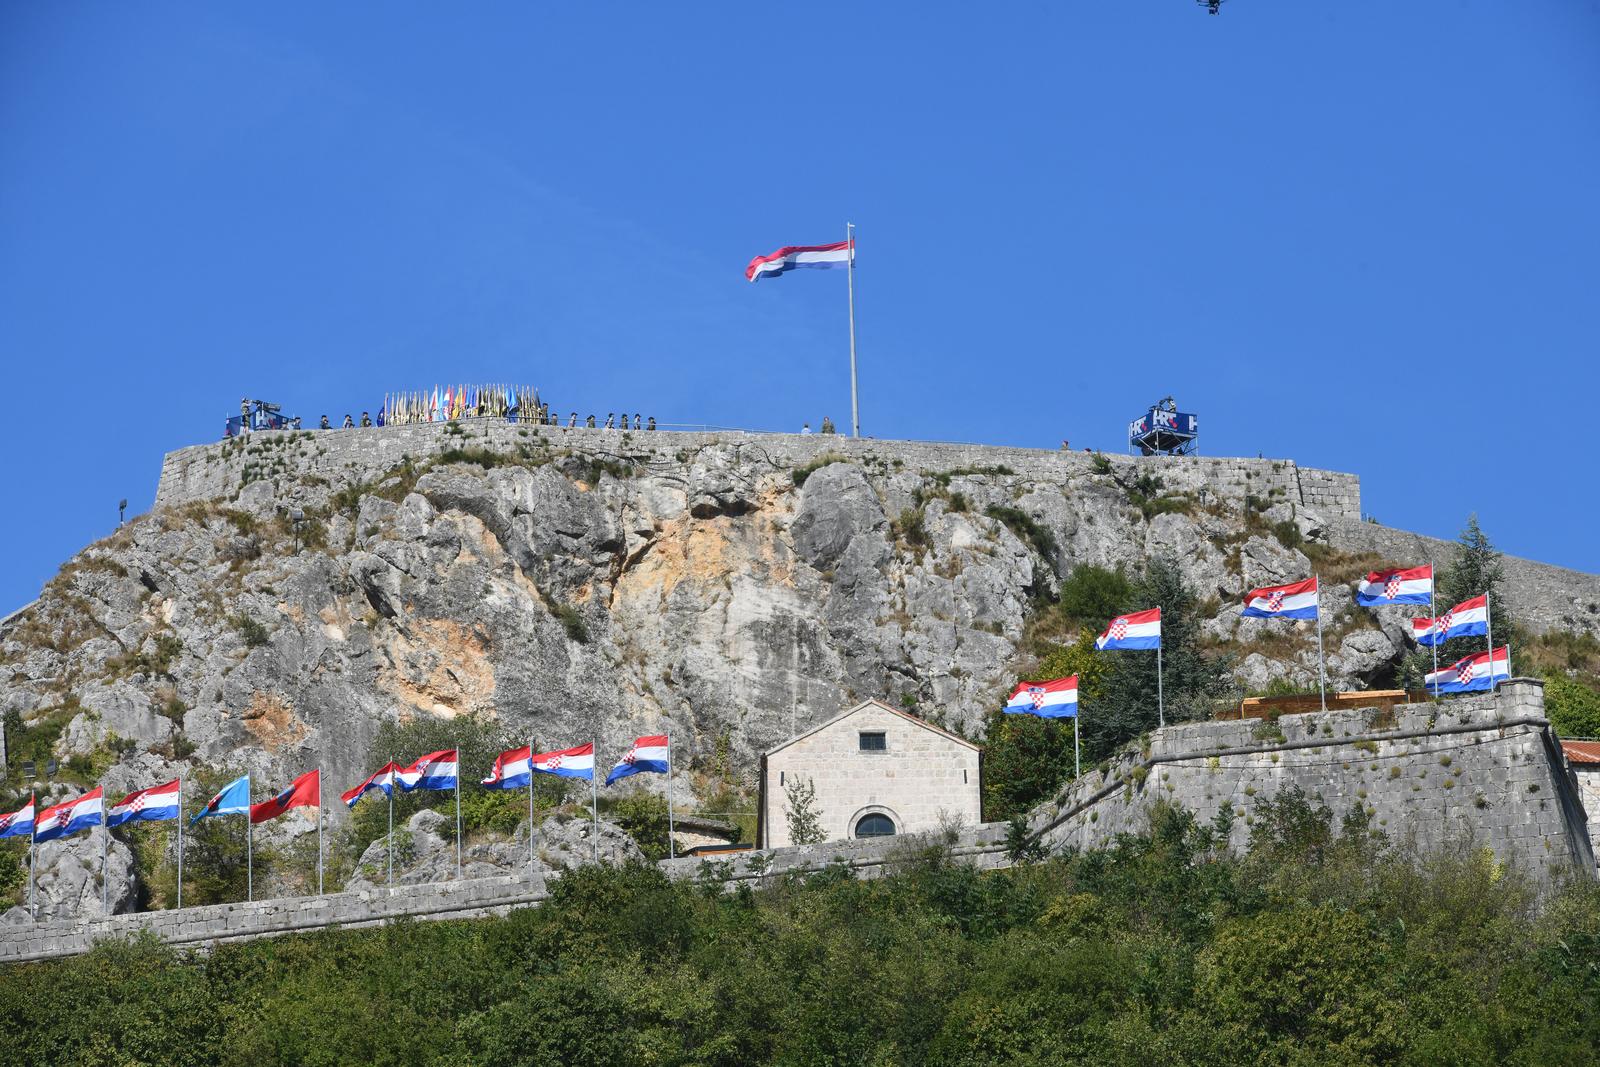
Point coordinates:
[[1483, 769], [347, 457]]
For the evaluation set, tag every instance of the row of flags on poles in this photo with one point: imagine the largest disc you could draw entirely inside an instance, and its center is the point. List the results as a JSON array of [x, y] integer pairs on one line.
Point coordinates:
[[515, 402], [1057, 698], [436, 770]]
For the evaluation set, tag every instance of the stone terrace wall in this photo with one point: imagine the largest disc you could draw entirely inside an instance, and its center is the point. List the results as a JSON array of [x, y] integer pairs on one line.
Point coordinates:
[[1485, 766], [22, 942], [345, 457], [1541, 596]]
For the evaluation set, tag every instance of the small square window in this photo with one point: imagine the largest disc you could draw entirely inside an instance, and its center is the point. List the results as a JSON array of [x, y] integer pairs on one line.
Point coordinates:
[[874, 741]]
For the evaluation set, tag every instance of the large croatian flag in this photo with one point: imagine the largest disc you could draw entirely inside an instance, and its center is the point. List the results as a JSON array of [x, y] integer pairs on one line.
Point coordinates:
[[1056, 699], [65, 819], [19, 823], [1470, 618], [791, 256], [510, 770], [1142, 629], [436, 770], [1413, 585], [1472, 673], [381, 780], [568, 762], [648, 754], [1297, 600], [146, 805]]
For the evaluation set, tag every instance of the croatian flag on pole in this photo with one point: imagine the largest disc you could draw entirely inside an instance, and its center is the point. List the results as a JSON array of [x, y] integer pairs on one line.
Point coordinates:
[[567, 763], [1470, 618], [648, 754], [792, 256], [382, 780], [1298, 600], [19, 823], [1056, 699], [146, 805], [1142, 629], [1472, 673], [510, 770], [1413, 585], [65, 819], [436, 770]]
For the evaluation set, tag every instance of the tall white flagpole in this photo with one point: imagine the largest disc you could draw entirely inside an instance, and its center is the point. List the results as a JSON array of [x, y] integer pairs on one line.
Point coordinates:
[[850, 272], [389, 848], [249, 846], [1322, 663], [33, 859], [530, 806], [106, 845], [1433, 610], [594, 799], [1161, 698], [672, 847], [180, 841], [1488, 636], [1077, 769], [458, 803], [319, 831]]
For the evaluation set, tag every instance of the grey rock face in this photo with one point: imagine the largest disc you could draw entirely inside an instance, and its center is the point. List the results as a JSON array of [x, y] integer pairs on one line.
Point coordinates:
[[68, 880]]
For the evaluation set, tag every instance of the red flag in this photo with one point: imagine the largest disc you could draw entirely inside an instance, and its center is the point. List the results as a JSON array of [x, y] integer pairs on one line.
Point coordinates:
[[306, 792]]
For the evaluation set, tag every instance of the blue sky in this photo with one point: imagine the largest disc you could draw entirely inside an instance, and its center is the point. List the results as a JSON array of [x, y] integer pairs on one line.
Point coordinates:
[[1361, 235]]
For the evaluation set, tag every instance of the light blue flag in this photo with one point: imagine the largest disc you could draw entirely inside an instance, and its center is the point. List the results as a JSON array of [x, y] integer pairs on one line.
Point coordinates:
[[234, 799]]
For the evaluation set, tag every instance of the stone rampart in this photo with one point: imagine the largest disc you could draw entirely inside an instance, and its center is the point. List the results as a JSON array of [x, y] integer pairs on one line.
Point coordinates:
[[201, 927], [1482, 767], [335, 459]]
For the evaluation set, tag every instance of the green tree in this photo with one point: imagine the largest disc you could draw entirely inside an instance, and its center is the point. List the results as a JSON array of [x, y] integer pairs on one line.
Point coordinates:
[[1026, 759], [1572, 707], [1190, 680], [802, 813]]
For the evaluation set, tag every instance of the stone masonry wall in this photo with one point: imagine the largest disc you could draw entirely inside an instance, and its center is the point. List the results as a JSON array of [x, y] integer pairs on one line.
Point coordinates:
[[277, 459], [1485, 767], [921, 777]]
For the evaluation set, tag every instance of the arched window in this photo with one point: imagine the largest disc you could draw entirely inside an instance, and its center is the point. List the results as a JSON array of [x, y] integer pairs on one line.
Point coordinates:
[[875, 824]]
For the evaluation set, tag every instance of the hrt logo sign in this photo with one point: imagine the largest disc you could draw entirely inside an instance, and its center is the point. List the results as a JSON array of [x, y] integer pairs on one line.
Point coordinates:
[[1166, 420]]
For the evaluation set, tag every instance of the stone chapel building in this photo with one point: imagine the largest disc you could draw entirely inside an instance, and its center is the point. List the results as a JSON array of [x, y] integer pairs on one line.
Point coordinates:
[[877, 772]]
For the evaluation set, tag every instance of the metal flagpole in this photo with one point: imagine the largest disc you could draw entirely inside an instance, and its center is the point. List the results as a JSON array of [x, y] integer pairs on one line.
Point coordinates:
[[1488, 635], [530, 805], [389, 846], [1433, 610], [106, 848], [249, 847], [33, 859], [1322, 664], [1161, 699], [672, 847], [850, 272], [1077, 771], [458, 807], [319, 831], [594, 795], [180, 841]]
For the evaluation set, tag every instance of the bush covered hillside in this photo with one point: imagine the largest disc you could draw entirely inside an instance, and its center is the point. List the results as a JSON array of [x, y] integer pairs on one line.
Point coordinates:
[[1322, 944]]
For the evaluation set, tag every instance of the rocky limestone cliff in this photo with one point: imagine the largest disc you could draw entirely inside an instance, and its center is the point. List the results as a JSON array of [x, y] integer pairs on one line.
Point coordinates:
[[291, 592]]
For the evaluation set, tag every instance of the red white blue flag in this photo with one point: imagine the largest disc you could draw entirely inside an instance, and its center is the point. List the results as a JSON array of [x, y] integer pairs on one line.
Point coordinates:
[[1297, 600], [381, 780], [648, 754], [792, 256], [63, 820], [510, 769], [1055, 699], [436, 770], [1472, 673], [567, 763], [1470, 618], [146, 805], [19, 823], [1411, 585], [1140, 629]]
